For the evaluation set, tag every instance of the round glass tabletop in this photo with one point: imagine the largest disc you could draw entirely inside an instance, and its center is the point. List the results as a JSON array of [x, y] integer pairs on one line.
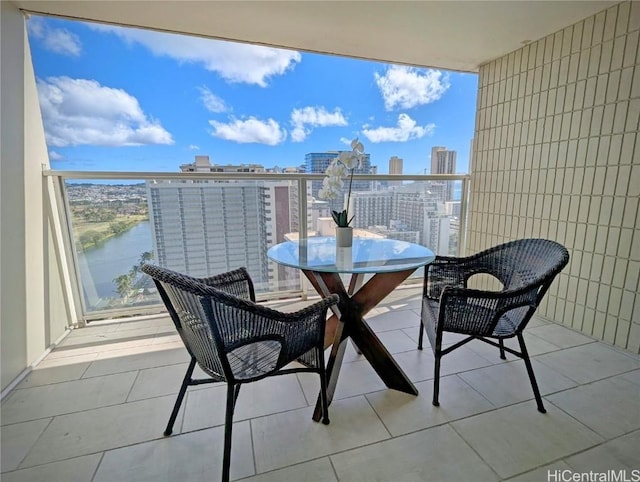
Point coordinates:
[[367, 255]]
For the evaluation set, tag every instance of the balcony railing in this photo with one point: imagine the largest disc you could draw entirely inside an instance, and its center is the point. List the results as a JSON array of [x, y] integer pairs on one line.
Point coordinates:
[[205, 223]]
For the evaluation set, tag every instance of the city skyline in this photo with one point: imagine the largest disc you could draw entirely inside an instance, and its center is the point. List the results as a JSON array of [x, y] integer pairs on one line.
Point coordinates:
[[115, 98]]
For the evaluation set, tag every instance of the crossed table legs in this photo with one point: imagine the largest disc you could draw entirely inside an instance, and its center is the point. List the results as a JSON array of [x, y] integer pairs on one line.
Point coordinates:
[[347, 322]]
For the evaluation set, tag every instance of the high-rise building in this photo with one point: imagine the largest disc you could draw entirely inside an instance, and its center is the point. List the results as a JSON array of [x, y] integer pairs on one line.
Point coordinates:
[[317, 162], [444, 162], [203, 164], [371, 208], [412, 212], [395, 165], [206, 227]]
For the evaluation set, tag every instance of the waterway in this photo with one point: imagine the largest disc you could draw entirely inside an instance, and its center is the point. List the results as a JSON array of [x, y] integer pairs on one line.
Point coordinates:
[[99, 265]]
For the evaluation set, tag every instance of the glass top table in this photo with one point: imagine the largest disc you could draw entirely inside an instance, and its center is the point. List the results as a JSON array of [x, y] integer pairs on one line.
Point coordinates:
[[367, 255], [386, 263]]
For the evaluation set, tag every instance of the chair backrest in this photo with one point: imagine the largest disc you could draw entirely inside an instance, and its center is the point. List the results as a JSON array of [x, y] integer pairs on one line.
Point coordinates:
[[185, 298], [523, 263]]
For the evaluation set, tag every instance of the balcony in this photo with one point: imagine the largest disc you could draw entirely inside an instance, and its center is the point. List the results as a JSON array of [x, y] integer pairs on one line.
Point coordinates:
[[555, 155], [96, 406]]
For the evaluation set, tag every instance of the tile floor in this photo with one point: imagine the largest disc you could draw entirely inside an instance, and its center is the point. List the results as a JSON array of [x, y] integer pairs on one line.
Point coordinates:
[[96, 407]]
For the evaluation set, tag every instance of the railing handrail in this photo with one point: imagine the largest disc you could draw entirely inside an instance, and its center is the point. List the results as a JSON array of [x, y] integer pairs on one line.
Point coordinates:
[[147, 175]]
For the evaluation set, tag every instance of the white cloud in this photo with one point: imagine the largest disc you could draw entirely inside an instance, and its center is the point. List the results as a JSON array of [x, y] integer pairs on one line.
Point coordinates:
[[193, 147], [307, 117], [406, 130], [406, 87], [55, 156], [212, 102], [346, 141], [251, 130], [81, 111], [234, 62], [57, 40]]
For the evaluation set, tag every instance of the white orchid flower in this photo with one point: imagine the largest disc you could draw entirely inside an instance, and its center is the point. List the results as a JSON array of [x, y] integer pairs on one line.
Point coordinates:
[[336, 169], [332, 182], [349, 159]]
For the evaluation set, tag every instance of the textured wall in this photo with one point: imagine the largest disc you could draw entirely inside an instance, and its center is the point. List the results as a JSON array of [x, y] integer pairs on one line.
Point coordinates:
[[557, 155]]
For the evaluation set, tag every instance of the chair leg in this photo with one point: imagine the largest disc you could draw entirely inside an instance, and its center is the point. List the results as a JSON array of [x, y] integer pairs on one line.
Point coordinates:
[[232, 394], [183, 390], [436, 379], [502, 354], [532, 378], [421, 334], [323, 390]]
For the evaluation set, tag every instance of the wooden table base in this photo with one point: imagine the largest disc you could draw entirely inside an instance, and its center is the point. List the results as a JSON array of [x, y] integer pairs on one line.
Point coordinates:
[[347, 322]]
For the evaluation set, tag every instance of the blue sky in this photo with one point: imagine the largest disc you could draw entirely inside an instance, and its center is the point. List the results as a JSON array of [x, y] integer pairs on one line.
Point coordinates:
[[125, 99]]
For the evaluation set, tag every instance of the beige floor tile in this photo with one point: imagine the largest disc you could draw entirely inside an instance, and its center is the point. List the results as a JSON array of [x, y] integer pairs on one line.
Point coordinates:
[[292, 437], [65, 370], [66, 397], [89, 348], [437, 454], [155, 382], [559, 335], [536, 321], [397, 341], [206, 408], [319, 470], [587, 363], [394, 319], [92, 431], [188, 457], [355, 379], [163, 323], [622, 453], [611, 407], [535, 346], [100, 340], [633, 377], [402, 413], [546, 473], [164, 337], [509, 383], [119, 361], [79, 469], [419, 364], [518, 438], [16, 441]]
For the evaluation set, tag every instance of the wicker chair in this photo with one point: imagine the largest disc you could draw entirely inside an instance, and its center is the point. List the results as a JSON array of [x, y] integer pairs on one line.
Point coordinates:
[[525, 268], [235, 340]]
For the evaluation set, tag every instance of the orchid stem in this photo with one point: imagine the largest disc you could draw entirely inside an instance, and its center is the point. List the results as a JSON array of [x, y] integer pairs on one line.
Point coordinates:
[[349, 196]]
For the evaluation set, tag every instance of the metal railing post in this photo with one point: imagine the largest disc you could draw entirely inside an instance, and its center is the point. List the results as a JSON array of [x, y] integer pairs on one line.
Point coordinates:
[[303, 225]]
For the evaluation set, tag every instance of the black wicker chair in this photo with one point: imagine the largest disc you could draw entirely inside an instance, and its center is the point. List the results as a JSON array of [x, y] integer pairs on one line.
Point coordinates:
[[525, 268], [235, 340]]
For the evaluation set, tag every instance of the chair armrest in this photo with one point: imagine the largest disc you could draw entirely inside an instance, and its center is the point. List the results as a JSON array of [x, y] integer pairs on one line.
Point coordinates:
[[240, 321], [478, 312]]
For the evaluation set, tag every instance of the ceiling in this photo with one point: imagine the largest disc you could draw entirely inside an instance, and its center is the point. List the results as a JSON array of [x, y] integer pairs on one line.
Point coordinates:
[[453, 35]]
